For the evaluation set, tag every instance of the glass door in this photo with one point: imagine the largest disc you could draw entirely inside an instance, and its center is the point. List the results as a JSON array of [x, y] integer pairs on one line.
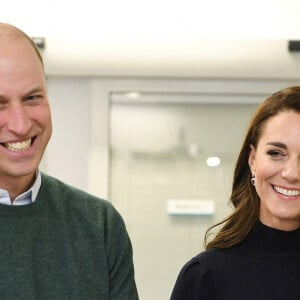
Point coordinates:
[[161, 148]]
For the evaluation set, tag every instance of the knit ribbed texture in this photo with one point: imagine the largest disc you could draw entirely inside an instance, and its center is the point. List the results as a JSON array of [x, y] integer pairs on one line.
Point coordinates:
[[66, 245], [266, 266]]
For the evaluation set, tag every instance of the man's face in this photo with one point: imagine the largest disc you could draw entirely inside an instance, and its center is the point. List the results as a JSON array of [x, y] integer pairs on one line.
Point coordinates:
[[25, 119]]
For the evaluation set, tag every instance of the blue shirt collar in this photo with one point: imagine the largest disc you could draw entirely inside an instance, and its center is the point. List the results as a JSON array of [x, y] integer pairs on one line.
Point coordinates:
[[25, 198]]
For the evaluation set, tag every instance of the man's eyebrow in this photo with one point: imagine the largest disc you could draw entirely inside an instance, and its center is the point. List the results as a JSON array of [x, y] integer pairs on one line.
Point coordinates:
[[35, 90], [31, 91], [277, 144]]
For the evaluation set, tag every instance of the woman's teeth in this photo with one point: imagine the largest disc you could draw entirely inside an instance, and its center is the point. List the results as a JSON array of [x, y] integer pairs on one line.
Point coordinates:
[[286, 192], [18, 146]]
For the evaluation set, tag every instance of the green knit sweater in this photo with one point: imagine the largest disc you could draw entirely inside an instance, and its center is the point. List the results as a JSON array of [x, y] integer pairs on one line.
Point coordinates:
[[66, 245]]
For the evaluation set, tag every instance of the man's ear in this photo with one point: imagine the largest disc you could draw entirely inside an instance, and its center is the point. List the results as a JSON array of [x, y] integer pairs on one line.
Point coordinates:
[[252, 159]]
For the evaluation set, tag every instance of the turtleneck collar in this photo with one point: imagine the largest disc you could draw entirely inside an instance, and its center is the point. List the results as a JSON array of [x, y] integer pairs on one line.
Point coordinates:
[[273, 240]]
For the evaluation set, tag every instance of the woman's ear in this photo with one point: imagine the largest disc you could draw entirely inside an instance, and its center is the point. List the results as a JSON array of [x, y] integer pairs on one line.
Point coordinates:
[[251, 159]]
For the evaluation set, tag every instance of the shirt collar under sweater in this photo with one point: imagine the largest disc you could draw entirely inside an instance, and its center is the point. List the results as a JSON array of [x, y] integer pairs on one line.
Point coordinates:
[[25, 198]]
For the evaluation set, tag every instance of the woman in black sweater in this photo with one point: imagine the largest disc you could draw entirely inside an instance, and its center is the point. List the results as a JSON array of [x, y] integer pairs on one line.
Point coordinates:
[[256, 253]]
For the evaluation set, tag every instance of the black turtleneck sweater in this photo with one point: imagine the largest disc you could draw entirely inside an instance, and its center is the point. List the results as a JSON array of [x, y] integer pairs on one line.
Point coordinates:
[[265, 266]]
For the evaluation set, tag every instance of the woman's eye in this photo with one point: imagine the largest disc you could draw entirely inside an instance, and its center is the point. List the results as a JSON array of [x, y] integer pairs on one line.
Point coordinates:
[[275, 153]]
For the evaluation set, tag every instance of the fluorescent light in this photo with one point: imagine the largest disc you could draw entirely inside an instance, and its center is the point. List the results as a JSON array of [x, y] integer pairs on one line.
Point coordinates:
[[133, 95]]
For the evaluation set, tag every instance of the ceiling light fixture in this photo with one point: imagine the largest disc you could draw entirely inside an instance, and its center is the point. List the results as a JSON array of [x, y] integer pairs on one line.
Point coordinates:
[[213, 161]]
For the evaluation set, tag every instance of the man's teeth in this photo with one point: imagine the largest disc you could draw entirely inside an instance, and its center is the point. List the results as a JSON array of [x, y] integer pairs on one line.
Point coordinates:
[[286, 192], [19, 146]]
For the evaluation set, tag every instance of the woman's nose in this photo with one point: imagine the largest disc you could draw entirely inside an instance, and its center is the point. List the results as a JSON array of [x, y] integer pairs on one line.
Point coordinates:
[[291, 170]]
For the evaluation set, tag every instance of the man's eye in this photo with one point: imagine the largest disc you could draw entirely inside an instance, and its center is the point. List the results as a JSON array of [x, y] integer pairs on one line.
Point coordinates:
[[32, 97], [3, 103]]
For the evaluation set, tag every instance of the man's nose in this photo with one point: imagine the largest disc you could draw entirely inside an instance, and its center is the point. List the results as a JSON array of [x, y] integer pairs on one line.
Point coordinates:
[[18, 120]]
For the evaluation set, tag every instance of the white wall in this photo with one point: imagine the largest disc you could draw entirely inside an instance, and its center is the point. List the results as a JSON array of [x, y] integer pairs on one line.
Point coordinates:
[[66, 156]]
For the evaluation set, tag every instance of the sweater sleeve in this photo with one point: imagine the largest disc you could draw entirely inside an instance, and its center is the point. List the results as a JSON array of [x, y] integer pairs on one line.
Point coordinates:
[[194, 282], [120, 260]]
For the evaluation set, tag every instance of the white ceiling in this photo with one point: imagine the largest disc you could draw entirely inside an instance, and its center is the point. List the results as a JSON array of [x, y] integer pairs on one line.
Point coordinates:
[[156, 18], [162, 37]]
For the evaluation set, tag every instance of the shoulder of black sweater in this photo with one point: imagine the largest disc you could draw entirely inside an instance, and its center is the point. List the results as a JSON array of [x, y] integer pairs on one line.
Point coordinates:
[[197, 277]]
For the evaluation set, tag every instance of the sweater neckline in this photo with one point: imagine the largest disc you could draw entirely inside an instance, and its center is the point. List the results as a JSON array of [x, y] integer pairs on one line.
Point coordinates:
[[24, 210], [271, 239]]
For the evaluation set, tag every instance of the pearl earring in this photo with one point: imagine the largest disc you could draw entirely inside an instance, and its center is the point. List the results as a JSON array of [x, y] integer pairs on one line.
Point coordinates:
[[252, 180]]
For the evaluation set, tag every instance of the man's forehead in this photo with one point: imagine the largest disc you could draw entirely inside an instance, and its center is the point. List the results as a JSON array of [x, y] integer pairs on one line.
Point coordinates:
[[8, 31], [12, 36]]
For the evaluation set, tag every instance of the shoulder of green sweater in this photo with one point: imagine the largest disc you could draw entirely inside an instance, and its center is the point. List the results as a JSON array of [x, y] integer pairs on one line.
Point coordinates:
[[64, 194]]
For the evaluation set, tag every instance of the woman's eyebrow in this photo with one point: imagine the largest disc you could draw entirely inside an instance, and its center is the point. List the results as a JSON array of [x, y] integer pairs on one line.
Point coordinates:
[[277, 144]]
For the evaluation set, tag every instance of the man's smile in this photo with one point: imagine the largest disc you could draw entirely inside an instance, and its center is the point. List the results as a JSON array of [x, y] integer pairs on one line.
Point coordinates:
[[18, 146]]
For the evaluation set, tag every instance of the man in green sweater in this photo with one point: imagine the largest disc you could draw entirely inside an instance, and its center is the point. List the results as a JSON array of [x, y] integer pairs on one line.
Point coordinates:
[[57, 242]]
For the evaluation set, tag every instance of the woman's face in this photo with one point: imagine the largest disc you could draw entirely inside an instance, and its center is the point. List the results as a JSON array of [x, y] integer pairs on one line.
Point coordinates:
[[275, 163]]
